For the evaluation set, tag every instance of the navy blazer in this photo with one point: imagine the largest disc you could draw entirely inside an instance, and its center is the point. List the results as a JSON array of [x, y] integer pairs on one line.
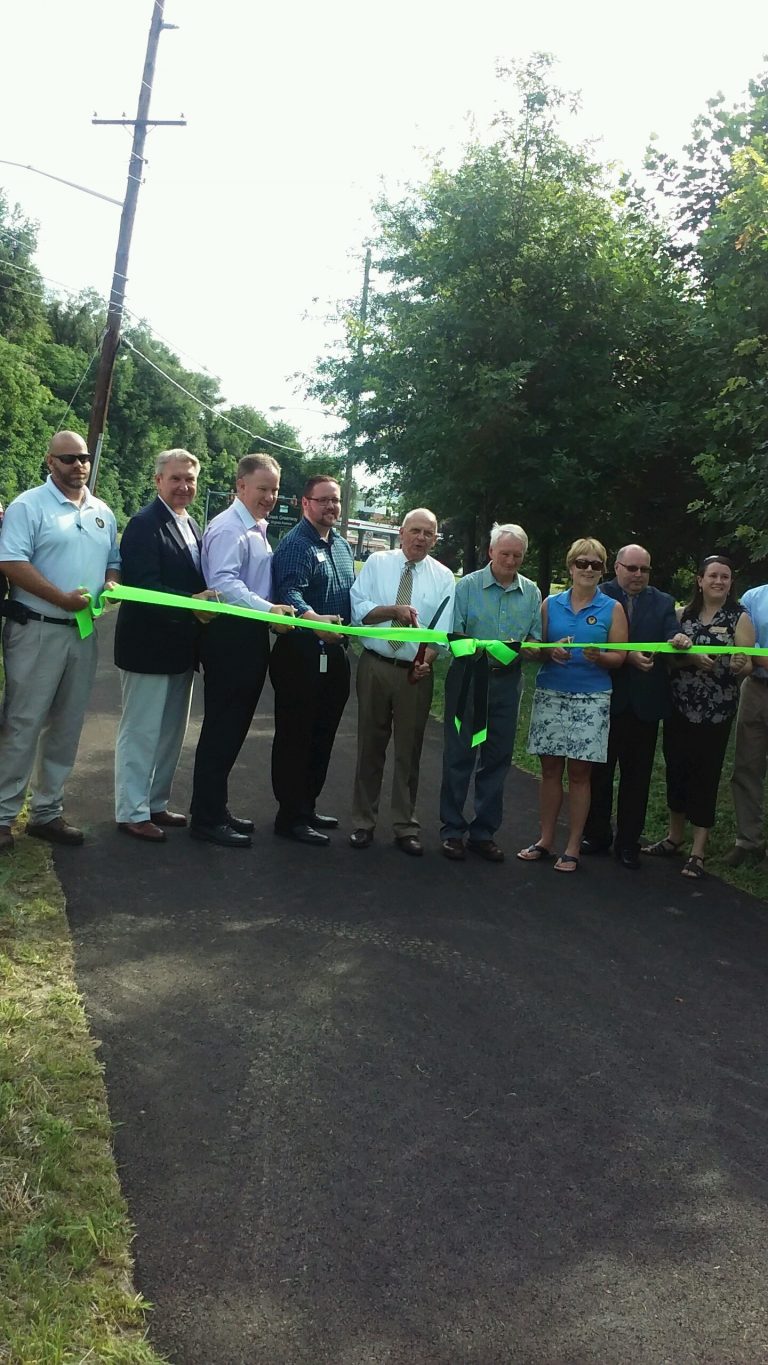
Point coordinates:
[[154, 554], [654, 620]]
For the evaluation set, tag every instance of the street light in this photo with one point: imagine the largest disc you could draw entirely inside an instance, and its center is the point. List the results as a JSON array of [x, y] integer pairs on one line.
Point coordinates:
[[321, 412]]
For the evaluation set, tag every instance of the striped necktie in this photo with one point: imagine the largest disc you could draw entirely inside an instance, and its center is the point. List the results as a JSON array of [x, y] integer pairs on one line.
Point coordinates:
[[404, 590]]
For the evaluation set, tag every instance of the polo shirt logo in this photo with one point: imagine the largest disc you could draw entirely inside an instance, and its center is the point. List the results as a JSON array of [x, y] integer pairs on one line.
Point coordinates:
[[100, 523], [591, 620]]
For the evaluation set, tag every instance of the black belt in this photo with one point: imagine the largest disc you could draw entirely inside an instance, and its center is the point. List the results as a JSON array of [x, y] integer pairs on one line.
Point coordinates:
[[514, 668], [50, 620], [398, 663]]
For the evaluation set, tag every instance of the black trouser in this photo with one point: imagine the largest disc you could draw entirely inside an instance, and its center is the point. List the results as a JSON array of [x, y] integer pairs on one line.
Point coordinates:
[[631, 744], [235, 657], [694, 755], [308, 707]]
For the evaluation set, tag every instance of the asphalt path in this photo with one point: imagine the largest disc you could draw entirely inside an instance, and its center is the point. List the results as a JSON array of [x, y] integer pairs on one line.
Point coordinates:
[[374, 1110]]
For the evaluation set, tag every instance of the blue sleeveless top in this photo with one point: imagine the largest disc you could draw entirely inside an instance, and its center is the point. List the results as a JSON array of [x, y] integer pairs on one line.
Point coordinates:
[[590, 626]]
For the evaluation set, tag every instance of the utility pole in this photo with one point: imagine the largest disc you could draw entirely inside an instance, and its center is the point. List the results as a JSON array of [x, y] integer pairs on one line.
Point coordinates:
[[354, 414], [111, 338]]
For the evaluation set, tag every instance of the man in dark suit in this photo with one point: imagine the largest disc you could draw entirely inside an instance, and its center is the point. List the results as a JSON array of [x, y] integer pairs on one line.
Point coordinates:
[[641, 698], [156, 650]]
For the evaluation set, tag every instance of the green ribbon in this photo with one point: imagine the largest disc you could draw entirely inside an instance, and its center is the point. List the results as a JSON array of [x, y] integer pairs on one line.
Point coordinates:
[[460, 646]]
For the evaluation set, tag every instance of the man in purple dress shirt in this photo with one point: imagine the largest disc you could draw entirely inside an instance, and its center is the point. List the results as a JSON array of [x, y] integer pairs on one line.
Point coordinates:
[[236, 563]]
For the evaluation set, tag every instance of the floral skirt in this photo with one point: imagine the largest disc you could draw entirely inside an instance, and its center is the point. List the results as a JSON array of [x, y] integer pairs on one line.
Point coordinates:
[[570, 724]]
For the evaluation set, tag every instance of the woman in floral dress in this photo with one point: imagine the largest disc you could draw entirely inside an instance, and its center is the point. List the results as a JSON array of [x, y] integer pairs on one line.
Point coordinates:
[[570, 716], [705, 697]]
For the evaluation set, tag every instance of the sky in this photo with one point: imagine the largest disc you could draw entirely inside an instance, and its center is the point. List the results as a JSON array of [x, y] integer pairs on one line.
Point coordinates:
[[253, 219]]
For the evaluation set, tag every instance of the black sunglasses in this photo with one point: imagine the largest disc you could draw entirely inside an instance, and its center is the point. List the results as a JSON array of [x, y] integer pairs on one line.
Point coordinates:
[[588, 564], [72, 459]]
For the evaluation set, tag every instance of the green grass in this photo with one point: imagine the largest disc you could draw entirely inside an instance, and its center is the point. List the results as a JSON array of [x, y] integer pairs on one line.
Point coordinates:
[[65, 1267], [721, 840]]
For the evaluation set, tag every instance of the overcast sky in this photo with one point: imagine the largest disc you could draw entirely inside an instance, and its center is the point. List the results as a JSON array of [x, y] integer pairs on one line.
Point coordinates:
[[253, 218]]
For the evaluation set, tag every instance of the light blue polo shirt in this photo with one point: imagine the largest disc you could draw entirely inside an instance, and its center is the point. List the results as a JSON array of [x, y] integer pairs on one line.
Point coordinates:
[[487, 610], [590, 626], [755, 604], [72, 546]]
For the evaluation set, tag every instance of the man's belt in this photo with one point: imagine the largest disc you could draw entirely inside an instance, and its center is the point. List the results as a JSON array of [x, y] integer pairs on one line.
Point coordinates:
[[398, 663], [21, 613]]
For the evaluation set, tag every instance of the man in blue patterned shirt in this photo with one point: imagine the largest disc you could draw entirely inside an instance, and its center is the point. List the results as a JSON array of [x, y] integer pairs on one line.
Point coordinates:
[[496, 603], [312, 570]]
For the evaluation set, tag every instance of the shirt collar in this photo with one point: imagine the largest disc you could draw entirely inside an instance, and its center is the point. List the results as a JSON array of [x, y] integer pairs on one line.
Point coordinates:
[[178, 516], [488, 579], [248, 520], [88, 498]]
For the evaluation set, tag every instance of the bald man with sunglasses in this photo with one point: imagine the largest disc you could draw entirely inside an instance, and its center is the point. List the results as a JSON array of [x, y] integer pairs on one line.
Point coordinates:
[[640, 699], [58, 542]]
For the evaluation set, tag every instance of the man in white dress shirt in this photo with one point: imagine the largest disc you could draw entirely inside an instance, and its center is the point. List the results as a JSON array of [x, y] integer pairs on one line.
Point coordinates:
[[403, 587]]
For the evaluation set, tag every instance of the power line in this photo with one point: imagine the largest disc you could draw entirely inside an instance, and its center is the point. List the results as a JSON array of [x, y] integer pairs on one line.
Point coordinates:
[[296, 450], [80, 385]]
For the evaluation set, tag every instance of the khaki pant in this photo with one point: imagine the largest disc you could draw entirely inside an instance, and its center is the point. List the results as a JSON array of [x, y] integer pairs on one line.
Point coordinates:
[[49, 673], [749, 764], [387, 702]]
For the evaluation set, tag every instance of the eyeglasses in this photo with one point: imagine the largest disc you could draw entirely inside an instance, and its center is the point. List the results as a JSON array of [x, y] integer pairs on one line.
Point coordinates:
[[326, 502], [72, 459], [634, 568], [588, 564]]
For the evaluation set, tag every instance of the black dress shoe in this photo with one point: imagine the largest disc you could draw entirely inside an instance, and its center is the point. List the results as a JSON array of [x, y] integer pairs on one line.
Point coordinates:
[[238, 825], [595, 846], [322, 821], [361, 838], [628, 857], [303, 833], [220, 834], [410, 844]]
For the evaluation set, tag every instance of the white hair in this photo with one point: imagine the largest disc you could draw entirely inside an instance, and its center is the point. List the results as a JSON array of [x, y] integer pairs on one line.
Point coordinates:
[[166, 456], [508, 528]]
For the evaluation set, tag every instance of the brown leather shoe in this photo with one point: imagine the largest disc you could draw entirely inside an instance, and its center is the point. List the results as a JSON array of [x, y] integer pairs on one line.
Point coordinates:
[[410, 844], [168, 819], [361, 838], [6, 839], [453, 849], [486, 848], [143, 829], [57, 832]]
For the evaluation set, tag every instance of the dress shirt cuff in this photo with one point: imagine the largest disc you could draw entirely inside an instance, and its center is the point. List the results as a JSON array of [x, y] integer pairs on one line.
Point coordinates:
[[360, 609]]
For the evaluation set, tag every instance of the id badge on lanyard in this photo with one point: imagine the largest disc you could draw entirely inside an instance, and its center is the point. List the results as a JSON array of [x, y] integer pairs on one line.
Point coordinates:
[[323, 658]]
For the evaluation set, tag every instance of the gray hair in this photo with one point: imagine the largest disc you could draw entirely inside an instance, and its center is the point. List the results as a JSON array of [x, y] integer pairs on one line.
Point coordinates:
[[508, 528], [166, 456]]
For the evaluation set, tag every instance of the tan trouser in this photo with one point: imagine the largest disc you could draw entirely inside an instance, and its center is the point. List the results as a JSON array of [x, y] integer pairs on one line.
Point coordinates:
[[749, 764], [387, 702], [49, 673]]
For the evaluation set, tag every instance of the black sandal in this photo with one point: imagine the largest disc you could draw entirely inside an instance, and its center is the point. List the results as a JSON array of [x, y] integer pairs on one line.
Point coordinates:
[[567, 859], [663, 848], [534, 853], [693, 867]]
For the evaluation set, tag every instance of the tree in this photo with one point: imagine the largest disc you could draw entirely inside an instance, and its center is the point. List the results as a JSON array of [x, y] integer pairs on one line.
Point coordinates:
[[520, 356], [718, 200]]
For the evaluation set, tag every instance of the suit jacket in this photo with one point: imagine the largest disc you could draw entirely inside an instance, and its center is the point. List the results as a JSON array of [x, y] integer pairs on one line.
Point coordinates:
[[154, 555], [654, 620]]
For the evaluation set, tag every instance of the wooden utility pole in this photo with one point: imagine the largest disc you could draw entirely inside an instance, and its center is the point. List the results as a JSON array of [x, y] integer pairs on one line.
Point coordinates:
[[354, 414], [111, 338]]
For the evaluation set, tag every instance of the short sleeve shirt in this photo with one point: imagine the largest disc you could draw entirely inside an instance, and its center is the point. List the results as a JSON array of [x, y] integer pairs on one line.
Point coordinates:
[[72, 545]]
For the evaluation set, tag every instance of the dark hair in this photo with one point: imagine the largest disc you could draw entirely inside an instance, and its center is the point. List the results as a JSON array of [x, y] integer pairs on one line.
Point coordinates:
[[312, 483], [693, 609]]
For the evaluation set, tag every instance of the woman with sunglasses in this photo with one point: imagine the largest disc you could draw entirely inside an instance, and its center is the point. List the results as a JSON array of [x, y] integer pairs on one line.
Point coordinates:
[[705, 696], [570, 717]]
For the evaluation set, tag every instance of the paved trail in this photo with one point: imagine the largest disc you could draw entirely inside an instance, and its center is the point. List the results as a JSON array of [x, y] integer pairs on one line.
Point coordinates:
[[380, 1111]]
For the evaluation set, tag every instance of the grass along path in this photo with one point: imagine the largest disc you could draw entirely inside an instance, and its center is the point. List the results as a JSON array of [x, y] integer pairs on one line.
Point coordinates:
[[752, 879], [65, 1267]]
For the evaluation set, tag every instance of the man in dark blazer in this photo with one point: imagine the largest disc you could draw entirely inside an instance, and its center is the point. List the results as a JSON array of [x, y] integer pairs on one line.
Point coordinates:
[[156, 650], [641, 698]]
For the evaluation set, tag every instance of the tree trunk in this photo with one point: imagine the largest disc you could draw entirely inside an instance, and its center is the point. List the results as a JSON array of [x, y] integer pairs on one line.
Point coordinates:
[[545, 567], [469, 556]]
